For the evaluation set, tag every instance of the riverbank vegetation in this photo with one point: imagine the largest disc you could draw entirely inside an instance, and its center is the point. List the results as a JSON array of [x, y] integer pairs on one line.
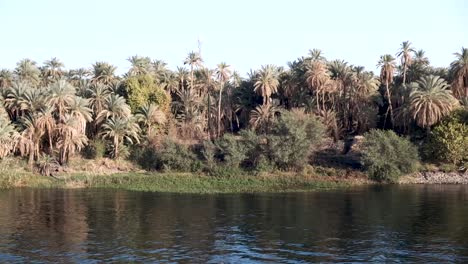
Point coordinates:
[[214, 122]]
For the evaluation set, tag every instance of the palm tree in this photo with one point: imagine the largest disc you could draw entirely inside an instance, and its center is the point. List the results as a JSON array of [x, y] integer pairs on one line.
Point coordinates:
[[262, 117], [140, 65], [80, 111], [316, 77], [14, 101], [387, 70], [223, 73], [266, 82], [431, 100], [46, 164], [6, 78], [30, 138], [61, 95], [71, 139], [316, 55], [149, 116], [99, 93], [119, 130], [194, 60], [115, 107], [8, 137], [159, 68], [459, 69], [404, 54], [53, 69], [46, 122], [420, 58], [103, 72], [27, 70]]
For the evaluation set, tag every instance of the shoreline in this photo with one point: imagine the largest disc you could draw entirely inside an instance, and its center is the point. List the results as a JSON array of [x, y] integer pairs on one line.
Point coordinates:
[[199, 183]]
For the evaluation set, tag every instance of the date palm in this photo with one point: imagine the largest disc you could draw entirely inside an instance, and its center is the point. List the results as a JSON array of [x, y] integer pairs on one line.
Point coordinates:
[[316, 55], [6, 78], [103, 72], [430, 100], [71, 139], [150, 116], [27, 70], [387, 70], [80, 111], [459, 69], [8, 137], [420, 58], [61, 95], [316, 77], [30, 138], [266, 82], [14, 101], [262, 117], [115, 107], [53, 69], [223, 73], [194, 60], [46, 123], [404, 53], [98, 96], [119, 130], [140, 65]]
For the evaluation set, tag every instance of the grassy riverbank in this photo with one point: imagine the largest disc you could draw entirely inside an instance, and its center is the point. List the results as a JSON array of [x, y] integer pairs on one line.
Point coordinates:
[[178, 182], [121, 175]]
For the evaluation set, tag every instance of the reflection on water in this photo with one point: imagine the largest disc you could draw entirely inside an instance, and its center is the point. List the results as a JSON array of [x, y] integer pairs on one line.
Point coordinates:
[[386, 223]]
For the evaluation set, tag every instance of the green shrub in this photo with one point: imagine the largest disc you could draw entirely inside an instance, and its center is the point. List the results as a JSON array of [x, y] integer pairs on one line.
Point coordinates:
[[208, 153], [448, 141], [254, 146], [232, 150], [95, 149], [386, 156], [291, 138], [173, 156], [145, 156]]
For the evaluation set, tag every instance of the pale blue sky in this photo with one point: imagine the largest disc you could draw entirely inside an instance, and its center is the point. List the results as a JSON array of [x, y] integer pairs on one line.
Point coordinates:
[[243, 33]]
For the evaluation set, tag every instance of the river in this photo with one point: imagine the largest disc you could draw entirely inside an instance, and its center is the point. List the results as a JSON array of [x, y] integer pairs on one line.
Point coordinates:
[[363, 224]]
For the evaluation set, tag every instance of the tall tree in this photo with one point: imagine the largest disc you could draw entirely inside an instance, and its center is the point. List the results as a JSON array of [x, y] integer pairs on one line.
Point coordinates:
[[404, 53], [266, 82], [119, 130], [194, 60], [27, 70], [459, 69], [387, 70], [223, 73], [103, 72], [53, 69], [430, 100]]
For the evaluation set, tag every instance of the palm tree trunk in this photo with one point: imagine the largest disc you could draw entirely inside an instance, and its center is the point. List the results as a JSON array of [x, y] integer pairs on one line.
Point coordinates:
[[404, 73], [116, 146], [390, 107], [219, 109], [318, 102], [209, 114]]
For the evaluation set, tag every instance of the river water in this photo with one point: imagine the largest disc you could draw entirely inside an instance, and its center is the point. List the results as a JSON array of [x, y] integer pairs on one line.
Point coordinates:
[[364, 224]]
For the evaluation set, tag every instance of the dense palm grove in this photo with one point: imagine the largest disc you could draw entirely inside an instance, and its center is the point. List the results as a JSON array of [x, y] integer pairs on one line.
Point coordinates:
[[49, 114]]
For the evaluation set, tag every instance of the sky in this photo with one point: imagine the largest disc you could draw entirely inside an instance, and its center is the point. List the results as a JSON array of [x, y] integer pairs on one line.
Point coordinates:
[[243, 33]]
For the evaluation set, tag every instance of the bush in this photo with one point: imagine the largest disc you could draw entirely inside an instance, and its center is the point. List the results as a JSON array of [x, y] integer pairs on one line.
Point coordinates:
[[173, 156], [291, 138], [386, 156], [95, 149], [232, 150], [448, 141], [208, 153], [168, 156]]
